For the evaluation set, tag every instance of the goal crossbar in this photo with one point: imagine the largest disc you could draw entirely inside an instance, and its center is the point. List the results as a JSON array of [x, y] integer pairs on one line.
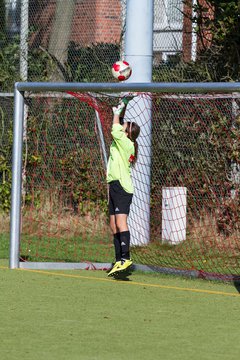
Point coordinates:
[[192, 87]]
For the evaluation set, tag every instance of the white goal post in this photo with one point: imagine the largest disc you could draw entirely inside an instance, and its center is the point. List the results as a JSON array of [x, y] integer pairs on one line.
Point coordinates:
[[117, 88]]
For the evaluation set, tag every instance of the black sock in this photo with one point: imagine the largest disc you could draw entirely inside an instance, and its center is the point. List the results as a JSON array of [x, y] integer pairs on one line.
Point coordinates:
[[125, 244], [117, 246]]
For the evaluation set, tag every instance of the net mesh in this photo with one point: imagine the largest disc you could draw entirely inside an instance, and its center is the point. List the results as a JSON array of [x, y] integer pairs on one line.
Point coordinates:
[[194, 190]]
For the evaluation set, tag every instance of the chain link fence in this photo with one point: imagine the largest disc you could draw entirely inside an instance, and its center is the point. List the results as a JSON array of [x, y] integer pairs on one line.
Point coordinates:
[[74, 40], [79, 40]]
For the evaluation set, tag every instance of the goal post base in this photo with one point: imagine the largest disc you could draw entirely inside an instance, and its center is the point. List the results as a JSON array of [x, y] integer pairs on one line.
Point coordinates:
[[194, 274], [64, 266]]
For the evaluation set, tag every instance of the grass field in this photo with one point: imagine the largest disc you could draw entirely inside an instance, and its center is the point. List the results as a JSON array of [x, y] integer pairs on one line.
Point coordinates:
[[85, 315]]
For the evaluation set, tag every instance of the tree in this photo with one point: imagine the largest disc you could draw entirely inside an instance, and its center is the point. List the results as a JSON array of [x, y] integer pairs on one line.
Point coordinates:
[[60, 36], [218, 38]]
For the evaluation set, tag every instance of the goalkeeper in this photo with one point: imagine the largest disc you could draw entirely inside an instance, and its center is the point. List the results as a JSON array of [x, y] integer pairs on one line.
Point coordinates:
[[123, 155]]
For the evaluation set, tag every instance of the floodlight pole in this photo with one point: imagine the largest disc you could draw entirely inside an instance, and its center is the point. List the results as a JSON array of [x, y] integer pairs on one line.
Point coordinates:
[[15, 223], [139, 54]]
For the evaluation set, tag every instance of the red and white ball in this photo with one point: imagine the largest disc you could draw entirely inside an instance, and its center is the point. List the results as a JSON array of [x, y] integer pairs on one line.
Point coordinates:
[[121, 70]]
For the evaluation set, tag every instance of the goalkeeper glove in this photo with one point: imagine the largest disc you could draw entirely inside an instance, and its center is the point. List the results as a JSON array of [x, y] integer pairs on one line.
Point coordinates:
[[118, 109], [128, 97]]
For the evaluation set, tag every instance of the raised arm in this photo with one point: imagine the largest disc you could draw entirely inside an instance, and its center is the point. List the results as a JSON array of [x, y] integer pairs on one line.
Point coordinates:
[[119, 110], [118, 113]]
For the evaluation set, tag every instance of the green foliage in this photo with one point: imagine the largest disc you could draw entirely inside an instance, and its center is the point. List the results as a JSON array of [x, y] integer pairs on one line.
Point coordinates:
[[6, 139], [180, 71], [197, 150], [83, 188], [85, 64], [92, 63], [2, 18], [64, 154], [9, 65], [217, 26], [228, 216], [5, 171], [39, 65], [5, 192]]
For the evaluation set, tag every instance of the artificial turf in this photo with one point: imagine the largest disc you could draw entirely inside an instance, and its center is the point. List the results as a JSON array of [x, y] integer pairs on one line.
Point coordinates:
[[85, 315]]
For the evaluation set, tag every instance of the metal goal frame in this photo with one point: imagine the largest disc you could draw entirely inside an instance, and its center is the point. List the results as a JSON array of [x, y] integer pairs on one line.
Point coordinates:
[[21, 88]]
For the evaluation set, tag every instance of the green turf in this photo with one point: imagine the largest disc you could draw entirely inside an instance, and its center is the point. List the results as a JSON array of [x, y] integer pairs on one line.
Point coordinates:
[[85, 316], [4, 246]]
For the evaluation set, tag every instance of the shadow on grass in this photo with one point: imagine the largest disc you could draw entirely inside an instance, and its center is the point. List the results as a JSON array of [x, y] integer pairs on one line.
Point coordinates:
[[236, 283], [121, 276]]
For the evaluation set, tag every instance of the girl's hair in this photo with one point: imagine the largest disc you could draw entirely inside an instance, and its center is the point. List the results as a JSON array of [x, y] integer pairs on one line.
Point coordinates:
[[133, 130]]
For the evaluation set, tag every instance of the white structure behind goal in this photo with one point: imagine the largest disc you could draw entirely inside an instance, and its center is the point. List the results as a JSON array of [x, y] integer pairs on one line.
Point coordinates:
[[174, 214]]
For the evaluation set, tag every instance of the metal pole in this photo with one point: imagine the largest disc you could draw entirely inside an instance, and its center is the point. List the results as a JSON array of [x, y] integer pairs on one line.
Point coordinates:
[[24, 41], [102, 142], [235, 167], [15, 223], [24, 69], [194, 34], [139, 53]]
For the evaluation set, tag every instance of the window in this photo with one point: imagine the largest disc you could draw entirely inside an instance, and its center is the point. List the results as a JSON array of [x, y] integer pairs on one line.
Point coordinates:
[[168, 25], [168, 14], [13, 9]]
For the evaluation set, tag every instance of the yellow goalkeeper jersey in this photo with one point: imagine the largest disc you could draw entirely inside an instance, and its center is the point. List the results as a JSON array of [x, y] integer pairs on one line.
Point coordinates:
[[121, 150]]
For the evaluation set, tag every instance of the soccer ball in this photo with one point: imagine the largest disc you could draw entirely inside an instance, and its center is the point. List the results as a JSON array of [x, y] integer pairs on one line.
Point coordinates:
[[121, 70]]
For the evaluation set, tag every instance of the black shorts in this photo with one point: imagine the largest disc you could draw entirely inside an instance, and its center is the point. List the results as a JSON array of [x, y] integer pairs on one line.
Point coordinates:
[[119, 199]]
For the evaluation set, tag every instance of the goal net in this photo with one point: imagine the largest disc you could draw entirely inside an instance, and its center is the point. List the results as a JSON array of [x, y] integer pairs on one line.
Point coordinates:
[[185, 212]]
